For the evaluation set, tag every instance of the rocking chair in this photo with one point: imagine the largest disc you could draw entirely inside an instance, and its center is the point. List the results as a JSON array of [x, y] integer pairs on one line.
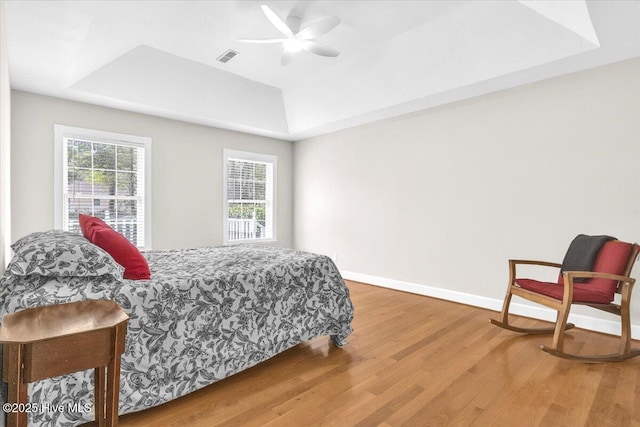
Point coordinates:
[[611, 263]]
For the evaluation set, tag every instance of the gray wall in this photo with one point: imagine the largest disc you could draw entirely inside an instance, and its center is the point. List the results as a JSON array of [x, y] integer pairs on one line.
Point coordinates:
[[440, 198], [186, 169], [443, 197]]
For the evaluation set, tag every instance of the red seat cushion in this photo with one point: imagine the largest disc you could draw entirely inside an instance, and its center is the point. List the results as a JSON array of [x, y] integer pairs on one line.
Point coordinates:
[[612, 258], [582, 292], [122, 250]]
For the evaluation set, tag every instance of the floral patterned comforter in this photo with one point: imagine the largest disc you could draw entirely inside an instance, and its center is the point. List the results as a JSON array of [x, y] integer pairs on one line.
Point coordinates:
[[206, 314]]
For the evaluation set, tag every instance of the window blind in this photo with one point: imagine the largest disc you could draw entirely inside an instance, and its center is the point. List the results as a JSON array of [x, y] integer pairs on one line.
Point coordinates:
[[249, 199]]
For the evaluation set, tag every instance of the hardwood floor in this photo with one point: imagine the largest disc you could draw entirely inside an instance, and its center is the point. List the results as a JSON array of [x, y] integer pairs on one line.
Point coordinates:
[[418, 361]]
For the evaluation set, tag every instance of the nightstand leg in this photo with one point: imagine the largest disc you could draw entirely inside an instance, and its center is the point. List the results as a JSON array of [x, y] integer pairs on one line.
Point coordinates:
[[17, 390], [99, 391], [113, 375]]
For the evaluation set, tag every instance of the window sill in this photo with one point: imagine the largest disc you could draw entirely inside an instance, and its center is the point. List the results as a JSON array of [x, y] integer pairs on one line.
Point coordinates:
[[252, 241]]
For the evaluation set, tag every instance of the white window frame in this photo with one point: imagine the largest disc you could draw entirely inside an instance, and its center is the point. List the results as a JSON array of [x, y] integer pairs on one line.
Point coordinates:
[[255, 157], [60, 132]]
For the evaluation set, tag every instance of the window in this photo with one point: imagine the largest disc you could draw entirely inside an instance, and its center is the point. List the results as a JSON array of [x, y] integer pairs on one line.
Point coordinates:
[[249, 192], [106, 175]]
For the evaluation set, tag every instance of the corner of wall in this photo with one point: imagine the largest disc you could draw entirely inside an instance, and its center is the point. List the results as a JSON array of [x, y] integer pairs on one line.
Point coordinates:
[[5, 146]]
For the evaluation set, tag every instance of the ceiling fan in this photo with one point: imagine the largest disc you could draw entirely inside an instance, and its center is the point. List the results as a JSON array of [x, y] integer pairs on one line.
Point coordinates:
[[298, 39]]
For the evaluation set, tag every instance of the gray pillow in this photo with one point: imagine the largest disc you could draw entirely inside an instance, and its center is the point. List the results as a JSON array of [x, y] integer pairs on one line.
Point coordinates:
[[58, 253]]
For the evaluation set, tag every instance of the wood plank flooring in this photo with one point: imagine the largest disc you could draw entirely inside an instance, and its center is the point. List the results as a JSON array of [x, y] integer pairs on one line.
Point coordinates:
[[418, 361]]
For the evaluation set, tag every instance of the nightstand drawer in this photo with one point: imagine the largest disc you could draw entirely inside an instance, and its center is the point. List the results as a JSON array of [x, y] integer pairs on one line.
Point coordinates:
[[58, 356]]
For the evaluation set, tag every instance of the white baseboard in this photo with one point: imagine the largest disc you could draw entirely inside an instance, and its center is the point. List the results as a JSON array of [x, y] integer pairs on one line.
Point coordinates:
[[542, 313]]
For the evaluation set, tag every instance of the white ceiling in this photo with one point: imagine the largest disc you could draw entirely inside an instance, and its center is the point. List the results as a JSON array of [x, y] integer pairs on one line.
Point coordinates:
[[159, 57]]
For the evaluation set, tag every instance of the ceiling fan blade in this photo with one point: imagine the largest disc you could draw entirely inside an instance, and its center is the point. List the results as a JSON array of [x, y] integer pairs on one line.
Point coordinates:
[[319, 49], [320, 28], [262, 41], [277, 21]]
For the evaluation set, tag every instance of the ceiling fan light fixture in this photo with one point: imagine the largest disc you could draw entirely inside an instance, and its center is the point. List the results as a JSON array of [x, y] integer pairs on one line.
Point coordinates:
[[294, 44]]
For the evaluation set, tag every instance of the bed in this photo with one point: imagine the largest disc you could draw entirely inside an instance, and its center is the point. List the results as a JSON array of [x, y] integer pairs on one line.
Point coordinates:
[[206, 313]]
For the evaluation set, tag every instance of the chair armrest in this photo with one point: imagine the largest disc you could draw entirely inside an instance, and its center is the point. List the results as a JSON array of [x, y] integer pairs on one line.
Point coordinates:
[[532, 262], [514, 262], [570, 275]]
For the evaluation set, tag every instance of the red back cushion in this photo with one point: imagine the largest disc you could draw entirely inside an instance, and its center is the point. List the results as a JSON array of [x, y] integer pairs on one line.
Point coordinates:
[[122, 250], [612, 258]]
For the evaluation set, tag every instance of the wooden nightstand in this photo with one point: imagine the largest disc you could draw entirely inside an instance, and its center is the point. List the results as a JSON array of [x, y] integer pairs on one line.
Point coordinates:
[[54, 340]]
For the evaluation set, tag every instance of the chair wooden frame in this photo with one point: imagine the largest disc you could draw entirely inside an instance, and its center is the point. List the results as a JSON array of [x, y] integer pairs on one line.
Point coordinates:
[[563, 307]]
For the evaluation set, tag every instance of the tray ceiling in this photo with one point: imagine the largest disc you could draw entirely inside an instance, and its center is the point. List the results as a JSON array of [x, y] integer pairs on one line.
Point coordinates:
[[159, 57]]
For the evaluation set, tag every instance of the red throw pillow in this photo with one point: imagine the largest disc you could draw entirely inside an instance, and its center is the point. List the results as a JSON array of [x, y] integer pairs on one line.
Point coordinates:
[[88, 223], [122, 250]]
